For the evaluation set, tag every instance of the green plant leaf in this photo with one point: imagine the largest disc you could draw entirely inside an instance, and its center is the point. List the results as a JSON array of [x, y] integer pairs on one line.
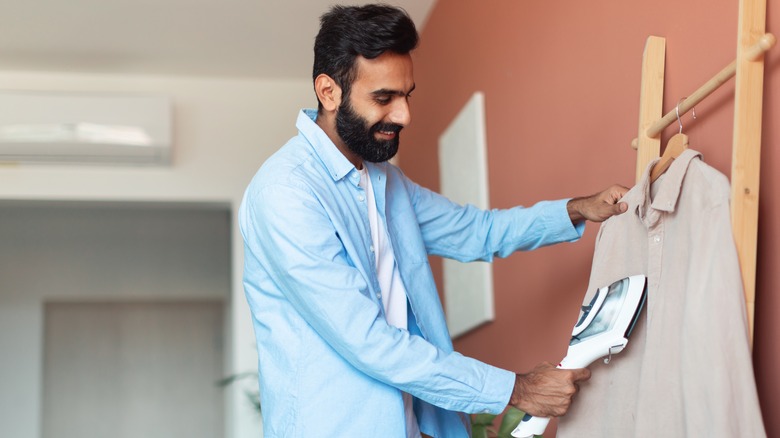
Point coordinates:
[[483, 419], [230, 379], [254, 399], [512, 418], [252, 396], [479, 431]]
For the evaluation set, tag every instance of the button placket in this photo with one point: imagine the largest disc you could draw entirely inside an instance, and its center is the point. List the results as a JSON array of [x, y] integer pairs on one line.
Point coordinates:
[[361, 196], [655, 240]]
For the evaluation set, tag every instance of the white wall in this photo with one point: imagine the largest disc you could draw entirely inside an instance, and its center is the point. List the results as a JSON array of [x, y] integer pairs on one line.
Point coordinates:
[[223, 130]]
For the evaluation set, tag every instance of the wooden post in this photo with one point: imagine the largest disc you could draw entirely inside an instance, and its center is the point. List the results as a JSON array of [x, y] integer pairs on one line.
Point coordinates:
[[651, 101], [746, 158]]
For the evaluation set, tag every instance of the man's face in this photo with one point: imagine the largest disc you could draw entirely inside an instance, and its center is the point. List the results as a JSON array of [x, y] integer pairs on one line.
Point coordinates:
[[369, 121]]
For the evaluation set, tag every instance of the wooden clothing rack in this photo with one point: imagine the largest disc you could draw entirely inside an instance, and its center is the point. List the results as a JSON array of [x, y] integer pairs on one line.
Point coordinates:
[[748, 67]]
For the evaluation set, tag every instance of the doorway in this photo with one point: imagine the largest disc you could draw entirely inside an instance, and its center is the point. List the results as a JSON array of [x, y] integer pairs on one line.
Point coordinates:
[[129, 370], [114, 315]]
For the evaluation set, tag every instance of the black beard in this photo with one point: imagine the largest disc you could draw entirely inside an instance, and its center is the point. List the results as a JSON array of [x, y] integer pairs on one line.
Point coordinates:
[[359, 137]]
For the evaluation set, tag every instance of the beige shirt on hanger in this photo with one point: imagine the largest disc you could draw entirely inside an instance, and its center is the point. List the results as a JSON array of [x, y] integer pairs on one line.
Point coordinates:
[[687, 369]]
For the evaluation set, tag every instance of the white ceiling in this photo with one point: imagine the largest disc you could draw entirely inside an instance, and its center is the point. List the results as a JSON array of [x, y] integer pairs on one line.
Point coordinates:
[[224, 38]]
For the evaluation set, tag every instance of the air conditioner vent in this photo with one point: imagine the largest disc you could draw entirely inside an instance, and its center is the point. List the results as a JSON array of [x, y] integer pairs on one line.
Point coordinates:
[[38, 127]]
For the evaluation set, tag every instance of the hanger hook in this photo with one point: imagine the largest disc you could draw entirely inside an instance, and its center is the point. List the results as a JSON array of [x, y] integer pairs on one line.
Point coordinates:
[[677, 111]]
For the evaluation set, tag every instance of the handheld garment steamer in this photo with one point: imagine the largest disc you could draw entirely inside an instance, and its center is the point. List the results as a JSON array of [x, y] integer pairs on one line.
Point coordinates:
[[602, 330]]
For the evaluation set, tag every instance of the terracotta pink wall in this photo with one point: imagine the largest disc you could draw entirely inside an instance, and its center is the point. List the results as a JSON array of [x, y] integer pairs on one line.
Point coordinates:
[[561, 83]]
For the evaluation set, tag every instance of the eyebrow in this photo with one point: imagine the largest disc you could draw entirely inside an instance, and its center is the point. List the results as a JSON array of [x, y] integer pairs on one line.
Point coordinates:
[[389, 92]]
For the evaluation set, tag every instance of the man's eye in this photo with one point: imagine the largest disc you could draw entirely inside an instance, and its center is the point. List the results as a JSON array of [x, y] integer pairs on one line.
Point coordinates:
[[383, 100]]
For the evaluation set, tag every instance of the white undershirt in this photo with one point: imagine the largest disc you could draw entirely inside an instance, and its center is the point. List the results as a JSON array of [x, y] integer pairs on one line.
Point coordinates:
[[392, 288]]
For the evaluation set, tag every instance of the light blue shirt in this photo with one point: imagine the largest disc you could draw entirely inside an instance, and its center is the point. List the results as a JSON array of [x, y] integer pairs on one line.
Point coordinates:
[[329, 364]]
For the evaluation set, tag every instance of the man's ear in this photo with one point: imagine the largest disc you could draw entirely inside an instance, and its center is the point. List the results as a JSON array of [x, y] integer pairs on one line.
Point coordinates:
[[328, 92]]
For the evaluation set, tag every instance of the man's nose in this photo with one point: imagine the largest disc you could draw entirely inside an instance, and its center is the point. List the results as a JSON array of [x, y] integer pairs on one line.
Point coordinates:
[[400, 113]]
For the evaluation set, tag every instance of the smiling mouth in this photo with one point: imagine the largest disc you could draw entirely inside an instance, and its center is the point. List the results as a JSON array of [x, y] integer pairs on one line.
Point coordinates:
[[388, 134]]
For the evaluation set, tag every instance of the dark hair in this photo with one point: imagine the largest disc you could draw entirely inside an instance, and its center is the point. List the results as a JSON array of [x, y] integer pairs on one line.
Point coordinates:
[[347, 32]]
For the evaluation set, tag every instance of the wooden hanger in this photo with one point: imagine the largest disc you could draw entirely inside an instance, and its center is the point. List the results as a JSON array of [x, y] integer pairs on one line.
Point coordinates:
[[674, 147]]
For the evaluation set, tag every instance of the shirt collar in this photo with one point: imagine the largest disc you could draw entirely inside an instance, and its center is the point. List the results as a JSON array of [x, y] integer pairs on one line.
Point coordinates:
[[337, 164], [668, 189]]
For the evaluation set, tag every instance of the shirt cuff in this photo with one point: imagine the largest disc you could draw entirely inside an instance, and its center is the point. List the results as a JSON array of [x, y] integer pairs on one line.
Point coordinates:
[[499, 386], [558, 215]]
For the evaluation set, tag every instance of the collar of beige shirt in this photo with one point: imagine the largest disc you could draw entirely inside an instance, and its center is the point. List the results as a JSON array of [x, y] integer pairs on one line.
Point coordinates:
[[668, 186]]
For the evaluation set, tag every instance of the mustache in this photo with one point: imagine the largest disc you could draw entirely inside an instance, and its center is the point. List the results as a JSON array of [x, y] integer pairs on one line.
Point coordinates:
[[387, 127]]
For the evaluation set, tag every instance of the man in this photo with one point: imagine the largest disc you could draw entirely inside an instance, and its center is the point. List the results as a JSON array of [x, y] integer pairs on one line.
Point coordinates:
[[350, 332]]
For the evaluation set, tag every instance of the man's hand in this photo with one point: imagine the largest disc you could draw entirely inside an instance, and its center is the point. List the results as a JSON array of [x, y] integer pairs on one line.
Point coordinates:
[[598, 207], [547, 391]]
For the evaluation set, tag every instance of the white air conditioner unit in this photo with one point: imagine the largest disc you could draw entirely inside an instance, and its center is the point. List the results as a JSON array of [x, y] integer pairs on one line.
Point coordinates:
[[84, 128]]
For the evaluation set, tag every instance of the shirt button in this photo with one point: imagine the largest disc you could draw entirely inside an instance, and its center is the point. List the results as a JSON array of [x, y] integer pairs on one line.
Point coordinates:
[[360, 198], [657, 239], [371, 248], [379, 295]]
